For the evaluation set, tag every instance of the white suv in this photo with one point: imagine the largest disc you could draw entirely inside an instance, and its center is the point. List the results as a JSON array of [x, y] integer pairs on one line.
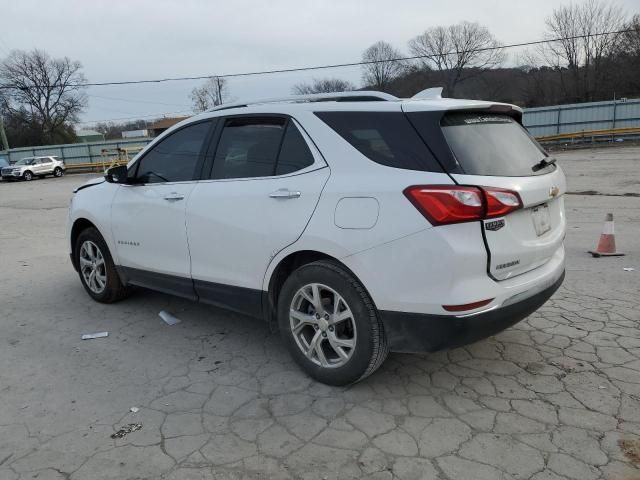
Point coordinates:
[[27, 168], [356, 223]]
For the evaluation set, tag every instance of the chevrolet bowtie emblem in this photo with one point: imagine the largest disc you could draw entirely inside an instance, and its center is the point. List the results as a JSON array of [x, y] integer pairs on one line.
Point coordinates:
[[554, 191]]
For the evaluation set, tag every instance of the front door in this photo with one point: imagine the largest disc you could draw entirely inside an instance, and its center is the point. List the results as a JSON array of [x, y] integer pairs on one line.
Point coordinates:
[[265, 184], [148, 216]]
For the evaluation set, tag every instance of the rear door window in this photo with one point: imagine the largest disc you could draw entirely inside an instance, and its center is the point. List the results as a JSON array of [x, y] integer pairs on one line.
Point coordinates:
[[248, 147], [260, 146], [387, 138], [294, 153], [486, 144]]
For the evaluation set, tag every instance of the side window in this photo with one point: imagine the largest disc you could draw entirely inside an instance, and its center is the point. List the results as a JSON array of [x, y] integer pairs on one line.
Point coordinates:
[[46, 161], [175, 158], [248, 147], [387, 138], [294, 153]]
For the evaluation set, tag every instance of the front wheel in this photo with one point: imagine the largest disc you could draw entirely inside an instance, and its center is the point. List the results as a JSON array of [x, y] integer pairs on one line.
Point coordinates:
[[96, 268], [57, 172], [330, 324], [27, 176]]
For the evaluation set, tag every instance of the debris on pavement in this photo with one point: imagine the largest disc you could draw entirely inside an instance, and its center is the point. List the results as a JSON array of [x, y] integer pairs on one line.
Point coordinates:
[[168, 318], [628, 269], [631, 450], [126, 429], [134, 409], [90, 336]]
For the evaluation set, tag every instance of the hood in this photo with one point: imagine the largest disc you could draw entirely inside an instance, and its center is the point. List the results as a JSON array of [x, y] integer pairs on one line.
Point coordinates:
[[90, 183]]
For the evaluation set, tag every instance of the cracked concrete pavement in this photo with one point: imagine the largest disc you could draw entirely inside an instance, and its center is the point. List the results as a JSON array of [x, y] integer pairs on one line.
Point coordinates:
[[555, 397]]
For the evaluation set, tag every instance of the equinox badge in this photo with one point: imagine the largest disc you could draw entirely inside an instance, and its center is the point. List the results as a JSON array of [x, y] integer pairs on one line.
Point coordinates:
[[494, 225]]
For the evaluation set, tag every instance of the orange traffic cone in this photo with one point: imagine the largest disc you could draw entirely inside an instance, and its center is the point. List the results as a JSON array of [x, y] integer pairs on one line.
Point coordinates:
[[607, 244]]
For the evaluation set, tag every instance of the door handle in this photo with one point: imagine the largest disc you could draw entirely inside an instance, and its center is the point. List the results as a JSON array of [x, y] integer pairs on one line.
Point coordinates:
[[285, 193], [173, 197]]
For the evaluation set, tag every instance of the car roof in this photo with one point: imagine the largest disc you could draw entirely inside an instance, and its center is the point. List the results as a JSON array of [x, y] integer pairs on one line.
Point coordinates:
[[357, 101], [361, 101]]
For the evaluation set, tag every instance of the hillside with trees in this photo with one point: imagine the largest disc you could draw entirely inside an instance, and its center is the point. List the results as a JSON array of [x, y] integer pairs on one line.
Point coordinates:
[[469, 62]]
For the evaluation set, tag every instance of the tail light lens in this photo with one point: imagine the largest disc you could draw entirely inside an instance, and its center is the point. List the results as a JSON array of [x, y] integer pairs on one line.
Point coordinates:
[[500, 202], [446, 204]]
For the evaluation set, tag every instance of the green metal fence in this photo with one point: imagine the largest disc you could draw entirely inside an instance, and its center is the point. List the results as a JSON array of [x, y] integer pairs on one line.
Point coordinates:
[[75, 152]]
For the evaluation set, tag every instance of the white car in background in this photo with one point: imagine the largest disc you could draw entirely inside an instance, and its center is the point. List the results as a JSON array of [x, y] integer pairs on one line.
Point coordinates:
[[30, 167], [356, 223]]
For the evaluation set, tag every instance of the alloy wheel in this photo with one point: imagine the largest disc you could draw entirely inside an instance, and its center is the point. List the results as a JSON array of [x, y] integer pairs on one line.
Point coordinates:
[[92, 267], [323, 325]]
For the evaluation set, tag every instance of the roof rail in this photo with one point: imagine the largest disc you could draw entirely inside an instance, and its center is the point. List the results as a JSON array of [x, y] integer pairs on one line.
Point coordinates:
[[355, 96]]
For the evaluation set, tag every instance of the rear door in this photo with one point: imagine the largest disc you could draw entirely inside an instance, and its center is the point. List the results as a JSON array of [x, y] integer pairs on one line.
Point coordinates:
[[494, 150], [265, 182], [46, 166]]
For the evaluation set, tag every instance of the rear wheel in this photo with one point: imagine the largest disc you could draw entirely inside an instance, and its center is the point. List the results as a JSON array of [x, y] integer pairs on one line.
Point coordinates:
[[57, 172], [330, 325], [27, 176], [96, 268]]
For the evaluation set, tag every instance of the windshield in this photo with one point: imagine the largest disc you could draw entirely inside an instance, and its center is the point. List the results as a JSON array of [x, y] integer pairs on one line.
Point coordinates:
[[25, 161], [493, 145]]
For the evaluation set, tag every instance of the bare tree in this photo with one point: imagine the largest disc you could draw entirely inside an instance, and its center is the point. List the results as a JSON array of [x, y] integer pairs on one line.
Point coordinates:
[[580, 49], [213, 93], [382, 65], [630, 41], [47, 91], [458, 52], [323, 85]]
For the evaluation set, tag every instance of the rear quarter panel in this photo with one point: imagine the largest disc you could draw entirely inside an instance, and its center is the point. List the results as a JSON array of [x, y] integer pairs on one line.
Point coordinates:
[[355, 176]]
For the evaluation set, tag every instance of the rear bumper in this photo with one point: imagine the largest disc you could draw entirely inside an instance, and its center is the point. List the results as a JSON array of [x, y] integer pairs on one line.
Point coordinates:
[[418, 332]]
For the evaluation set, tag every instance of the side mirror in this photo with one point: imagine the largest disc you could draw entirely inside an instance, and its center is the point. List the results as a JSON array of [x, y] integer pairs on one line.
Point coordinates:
[[117, 174]]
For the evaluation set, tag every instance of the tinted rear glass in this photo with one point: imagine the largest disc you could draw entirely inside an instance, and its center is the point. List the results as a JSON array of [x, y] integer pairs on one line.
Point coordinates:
[[490, 144], [387, 138], [294, 152]]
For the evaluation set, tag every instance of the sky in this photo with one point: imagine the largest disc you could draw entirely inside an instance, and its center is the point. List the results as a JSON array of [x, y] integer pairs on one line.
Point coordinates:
[[144, 39]]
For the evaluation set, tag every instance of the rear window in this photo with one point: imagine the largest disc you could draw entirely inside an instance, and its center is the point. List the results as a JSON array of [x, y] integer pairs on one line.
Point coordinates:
[[490, 144], [387, 138]]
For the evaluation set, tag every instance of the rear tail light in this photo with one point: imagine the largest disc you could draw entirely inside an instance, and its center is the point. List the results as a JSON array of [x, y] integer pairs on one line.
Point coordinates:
[[446, 204], [500, 202]]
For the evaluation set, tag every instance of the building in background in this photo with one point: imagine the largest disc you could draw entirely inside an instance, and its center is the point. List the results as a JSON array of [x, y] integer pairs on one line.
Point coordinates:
[[159, 126], [135, 133], [86, 136]]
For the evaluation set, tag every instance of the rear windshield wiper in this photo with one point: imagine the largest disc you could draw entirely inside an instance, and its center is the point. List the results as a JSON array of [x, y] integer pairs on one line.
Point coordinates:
[[545, 162]]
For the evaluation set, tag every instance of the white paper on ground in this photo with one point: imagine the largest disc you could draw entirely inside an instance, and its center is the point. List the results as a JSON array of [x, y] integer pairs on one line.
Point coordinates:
[[89, 336], [168, 318]]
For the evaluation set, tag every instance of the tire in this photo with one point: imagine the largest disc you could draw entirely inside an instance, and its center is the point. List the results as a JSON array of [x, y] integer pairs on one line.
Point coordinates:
[[27, 176], [57, 172], [106, 277], [362, 328]]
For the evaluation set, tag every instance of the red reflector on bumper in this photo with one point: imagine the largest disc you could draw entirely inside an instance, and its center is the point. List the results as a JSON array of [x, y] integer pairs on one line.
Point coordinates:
[[467, 306]]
